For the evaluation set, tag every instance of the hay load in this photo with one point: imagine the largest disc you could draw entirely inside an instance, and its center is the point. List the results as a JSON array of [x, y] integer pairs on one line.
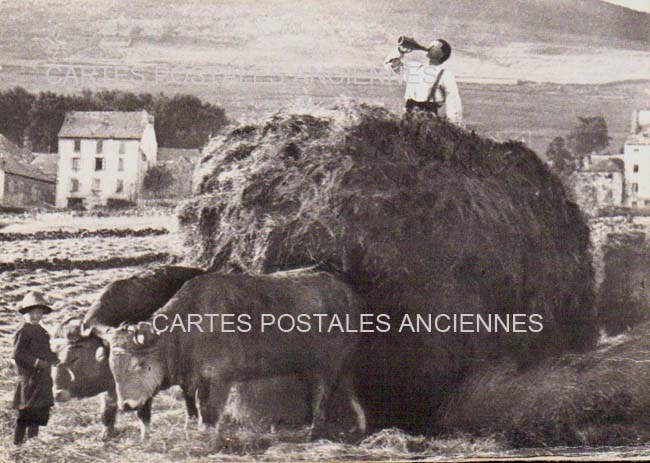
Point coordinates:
[[420, 217]]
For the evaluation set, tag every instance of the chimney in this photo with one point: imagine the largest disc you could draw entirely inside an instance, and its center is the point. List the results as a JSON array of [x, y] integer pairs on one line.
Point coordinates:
[[27, 143], [634, 127]]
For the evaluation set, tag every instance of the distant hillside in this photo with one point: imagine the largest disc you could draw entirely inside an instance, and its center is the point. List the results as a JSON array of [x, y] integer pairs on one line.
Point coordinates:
[[492, 38]]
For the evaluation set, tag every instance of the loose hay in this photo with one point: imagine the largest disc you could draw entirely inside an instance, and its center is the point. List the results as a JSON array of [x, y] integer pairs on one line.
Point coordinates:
[[598, 398], [419, 216]]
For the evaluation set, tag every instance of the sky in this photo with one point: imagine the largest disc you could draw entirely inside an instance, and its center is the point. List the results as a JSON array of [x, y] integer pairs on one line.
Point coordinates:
[[640, 5]]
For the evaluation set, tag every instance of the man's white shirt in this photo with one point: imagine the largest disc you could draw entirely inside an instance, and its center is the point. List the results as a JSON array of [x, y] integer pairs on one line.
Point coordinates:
[[420, 79]]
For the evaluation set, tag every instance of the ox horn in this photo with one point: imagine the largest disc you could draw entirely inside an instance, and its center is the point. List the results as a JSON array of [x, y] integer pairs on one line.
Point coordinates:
[[103, 331]]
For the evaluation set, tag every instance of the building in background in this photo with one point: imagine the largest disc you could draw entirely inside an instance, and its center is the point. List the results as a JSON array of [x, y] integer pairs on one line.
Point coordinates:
[[179, 163], [21, 184], [104, 155], [599, 183], [46, 163], [636, 153]]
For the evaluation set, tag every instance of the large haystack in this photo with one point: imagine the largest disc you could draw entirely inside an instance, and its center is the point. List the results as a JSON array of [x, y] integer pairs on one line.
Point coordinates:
[[420, 217]]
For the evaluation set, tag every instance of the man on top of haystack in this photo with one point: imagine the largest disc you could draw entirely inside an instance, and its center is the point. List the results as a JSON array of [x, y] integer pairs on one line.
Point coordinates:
[[428, 86]]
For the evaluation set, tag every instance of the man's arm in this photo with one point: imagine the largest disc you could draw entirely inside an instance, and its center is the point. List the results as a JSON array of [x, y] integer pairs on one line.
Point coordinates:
[[453, 105], [22, 354]]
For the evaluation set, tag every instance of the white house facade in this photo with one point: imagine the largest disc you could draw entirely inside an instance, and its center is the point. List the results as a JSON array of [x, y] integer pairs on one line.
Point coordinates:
[[636, 154], [104, 155]]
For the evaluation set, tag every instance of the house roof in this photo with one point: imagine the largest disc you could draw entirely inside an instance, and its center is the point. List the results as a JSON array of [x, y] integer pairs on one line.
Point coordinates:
[[46, 163], [13, 160], [105, 124], [169, 155], [640, 138], [12, 166], [605, 165], [9, 147]]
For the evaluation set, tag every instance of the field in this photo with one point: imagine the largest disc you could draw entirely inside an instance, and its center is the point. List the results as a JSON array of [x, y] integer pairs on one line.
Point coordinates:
[[74, 430]]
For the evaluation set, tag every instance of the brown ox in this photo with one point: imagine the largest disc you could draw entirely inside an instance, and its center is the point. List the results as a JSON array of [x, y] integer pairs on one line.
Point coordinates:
[[208, 357], [84, 371]]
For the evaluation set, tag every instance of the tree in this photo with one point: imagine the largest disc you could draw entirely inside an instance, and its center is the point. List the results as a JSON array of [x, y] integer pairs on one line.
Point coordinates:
[[14, 113], [561, 159], [157, 180], [184, 121], [588, 136]]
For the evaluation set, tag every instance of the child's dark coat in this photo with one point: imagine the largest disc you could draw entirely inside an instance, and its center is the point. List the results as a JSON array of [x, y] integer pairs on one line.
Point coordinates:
[[34, 388]]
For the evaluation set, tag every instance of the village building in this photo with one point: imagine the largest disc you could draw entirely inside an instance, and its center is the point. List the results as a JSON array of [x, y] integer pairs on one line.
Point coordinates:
[[636, 153], [600, 182], [46, 163], [179, 163], [103, 156], [22, 185]]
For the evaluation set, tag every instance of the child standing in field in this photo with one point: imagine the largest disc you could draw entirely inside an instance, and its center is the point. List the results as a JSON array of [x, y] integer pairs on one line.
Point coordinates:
[[34, 359]]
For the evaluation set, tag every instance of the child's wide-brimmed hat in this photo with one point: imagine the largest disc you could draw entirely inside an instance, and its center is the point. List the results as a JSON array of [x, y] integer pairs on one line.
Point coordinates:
[[34, 299]]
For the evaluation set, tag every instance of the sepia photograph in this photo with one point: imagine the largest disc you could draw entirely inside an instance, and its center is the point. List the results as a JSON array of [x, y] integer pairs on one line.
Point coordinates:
[[324, 231]]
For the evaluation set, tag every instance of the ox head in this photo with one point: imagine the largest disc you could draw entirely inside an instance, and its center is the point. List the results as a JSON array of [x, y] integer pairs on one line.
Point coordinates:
[[83, 370], [137, 364]]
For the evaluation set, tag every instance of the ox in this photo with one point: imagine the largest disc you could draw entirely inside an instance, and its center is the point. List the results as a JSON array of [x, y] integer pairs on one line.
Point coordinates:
[[209, 358], [84, 370]]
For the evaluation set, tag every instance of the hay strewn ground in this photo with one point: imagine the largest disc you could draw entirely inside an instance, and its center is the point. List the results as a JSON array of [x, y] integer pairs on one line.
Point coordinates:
[[420, 217]]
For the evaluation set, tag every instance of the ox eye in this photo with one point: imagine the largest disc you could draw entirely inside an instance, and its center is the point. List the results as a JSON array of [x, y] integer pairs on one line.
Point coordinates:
[[136, 365]]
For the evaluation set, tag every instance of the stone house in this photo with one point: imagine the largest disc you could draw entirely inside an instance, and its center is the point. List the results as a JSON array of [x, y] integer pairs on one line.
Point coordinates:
[[600, 182], [104, 155], [46, 163], [22, 185]]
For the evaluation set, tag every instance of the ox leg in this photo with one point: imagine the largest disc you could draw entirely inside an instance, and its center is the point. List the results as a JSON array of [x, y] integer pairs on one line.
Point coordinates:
[[219, 392], [144, 415], [191, 413], [206, 417], [320, 395], [212, 408], [109, 414], [347, 382]]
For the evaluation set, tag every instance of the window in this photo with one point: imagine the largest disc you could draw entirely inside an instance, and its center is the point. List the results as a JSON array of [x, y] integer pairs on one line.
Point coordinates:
[[100, 146], [120, 186], [99, 163], [74, 187], [636, 168], [635, 187], [122, 147], [11, 187], [96, 184], [75, 163], [77, 146], [120, 164]]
